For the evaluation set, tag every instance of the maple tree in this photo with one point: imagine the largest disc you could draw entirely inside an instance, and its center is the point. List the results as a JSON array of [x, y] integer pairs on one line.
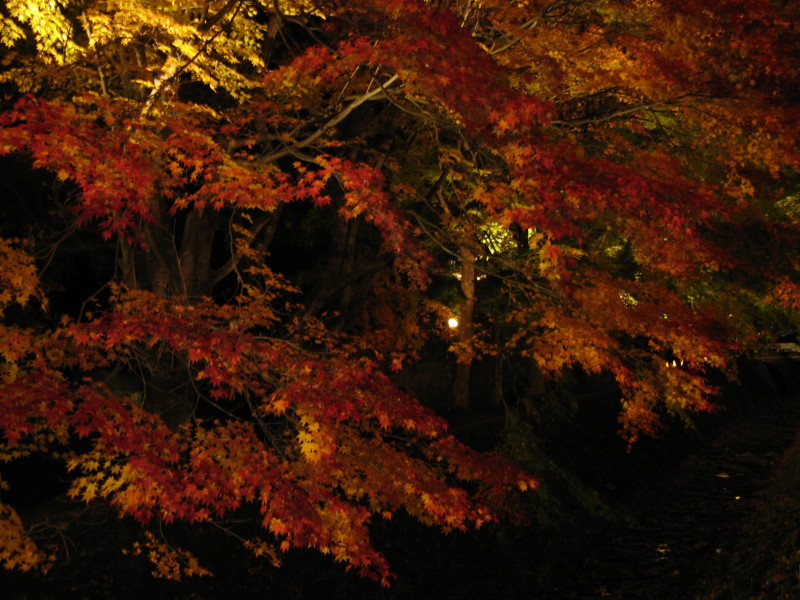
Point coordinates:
[[607, 164]]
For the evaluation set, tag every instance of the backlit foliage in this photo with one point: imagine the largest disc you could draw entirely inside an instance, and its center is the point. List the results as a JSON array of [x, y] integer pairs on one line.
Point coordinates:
[[619, 169]]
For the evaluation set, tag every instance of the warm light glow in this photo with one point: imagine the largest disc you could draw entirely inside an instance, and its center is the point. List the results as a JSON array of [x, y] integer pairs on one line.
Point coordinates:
[[452, 323]]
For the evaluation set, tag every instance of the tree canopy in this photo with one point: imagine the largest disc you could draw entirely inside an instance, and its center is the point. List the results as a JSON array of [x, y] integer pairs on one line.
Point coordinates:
[[280, 188]]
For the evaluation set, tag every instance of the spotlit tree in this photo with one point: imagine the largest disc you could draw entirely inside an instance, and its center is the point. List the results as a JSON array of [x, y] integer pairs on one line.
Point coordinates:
[[621, 170]]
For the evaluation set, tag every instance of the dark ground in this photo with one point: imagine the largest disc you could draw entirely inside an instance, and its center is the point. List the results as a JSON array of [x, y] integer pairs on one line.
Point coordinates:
[[708, 515]]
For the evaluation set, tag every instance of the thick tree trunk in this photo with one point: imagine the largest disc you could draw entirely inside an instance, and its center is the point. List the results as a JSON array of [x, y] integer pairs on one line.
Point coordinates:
[[496, 397], [195, 255], [330, 283], [343, 282], [168, 388], [177, 264], [162, 274]]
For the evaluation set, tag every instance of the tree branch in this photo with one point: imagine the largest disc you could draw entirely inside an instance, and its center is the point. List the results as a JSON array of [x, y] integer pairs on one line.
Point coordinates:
[[310, 139]]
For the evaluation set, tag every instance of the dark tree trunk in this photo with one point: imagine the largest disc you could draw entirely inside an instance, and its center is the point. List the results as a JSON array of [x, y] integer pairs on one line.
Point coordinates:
[[466, 327], [176, 263]]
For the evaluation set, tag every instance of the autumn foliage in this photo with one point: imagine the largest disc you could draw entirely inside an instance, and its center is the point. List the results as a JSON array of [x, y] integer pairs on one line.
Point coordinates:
[[622, 172]]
